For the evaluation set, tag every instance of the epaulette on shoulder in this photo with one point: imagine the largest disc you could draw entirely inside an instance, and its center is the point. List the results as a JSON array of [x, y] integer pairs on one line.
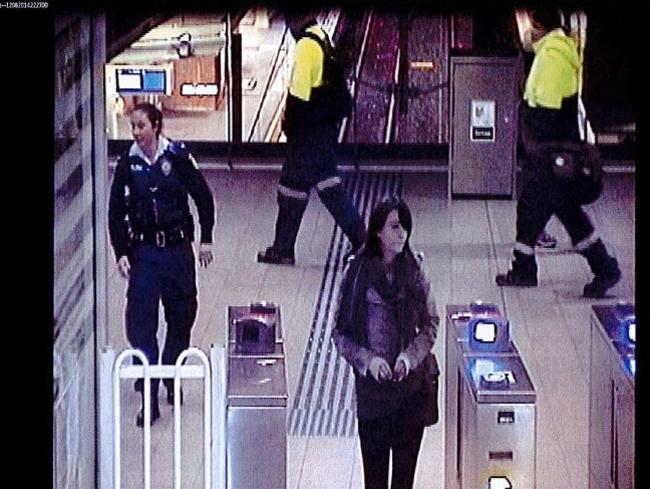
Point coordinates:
[[124, 159], [177, 147]]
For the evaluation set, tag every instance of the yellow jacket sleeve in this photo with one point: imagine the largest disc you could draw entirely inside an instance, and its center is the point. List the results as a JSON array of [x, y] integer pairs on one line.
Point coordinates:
[[307, 69], [550, 81], [554, 74]]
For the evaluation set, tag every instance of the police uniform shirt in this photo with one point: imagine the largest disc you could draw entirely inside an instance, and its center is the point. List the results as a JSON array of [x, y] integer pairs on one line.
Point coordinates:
[[153, 193]]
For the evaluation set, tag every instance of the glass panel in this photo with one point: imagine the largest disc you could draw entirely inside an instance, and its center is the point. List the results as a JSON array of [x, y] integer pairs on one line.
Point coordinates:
[[396, 66], [73, 292], [181, 67]]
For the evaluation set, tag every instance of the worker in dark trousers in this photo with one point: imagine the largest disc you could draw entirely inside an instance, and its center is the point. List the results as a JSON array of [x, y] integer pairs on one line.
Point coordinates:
[[312, 141], [550, 115], [151, 231]]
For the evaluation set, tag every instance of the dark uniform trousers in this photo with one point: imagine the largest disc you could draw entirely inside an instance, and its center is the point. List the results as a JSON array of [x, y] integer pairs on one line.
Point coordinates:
[[543, 194], [311, 162], [164, 274], [539, 200]]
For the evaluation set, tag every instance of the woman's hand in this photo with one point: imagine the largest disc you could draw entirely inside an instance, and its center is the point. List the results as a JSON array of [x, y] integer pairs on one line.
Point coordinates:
[[402, 367], [123, 266], [380, 370], [205, 254]]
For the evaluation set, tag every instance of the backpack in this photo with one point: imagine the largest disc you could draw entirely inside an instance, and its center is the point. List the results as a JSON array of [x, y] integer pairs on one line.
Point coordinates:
[[333, 97]]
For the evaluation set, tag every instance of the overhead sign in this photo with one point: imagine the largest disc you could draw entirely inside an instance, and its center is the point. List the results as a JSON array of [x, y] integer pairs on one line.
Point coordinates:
[[482, 121], [201, 89]]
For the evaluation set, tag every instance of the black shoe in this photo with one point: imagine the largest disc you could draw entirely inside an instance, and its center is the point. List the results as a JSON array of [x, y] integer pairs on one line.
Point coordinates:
[[522, 274], [170, 396], [155, 414], [270, 255], [597, 288], [512, 279]]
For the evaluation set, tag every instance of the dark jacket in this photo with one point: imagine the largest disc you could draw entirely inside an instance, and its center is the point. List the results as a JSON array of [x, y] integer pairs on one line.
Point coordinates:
[[155, 197], [417, 323]]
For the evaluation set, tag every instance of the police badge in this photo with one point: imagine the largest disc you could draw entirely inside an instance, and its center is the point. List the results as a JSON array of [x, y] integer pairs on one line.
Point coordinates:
[[165, 166]]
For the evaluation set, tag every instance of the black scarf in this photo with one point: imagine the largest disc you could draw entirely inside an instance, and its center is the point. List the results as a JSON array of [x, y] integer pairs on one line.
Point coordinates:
[[395, 293], [399, 294]]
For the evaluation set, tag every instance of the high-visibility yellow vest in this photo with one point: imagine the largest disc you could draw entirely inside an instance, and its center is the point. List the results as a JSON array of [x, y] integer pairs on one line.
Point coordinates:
[[307, 71], [555, 72]]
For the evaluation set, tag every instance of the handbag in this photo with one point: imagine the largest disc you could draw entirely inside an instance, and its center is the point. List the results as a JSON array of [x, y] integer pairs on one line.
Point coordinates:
[[430, 377], [576, 164]]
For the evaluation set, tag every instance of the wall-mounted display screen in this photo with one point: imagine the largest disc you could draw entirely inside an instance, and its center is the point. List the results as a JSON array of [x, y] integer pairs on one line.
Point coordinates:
[[140, 80]]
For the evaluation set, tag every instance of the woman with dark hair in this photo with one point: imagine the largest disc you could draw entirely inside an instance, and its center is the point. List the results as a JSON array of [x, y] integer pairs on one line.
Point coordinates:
[[151, 230], [385, 328]]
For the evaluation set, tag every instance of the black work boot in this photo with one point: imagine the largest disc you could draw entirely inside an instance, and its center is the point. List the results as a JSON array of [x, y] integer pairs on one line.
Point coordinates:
[[287, 224], [271, 255], [155, 410], [605, 269], [523, 273]]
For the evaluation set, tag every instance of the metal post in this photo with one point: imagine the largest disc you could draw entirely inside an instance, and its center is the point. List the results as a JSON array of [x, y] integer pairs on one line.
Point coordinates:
[[206, 415], [147, 416], [236, 87], [105, 425], [217, 359], [403, 71]]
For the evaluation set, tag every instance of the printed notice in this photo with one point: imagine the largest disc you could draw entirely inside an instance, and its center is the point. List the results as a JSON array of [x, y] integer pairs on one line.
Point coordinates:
[[482, 121]]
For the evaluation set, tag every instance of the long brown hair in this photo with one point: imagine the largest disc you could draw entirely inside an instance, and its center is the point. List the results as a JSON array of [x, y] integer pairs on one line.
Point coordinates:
[[378, 220]]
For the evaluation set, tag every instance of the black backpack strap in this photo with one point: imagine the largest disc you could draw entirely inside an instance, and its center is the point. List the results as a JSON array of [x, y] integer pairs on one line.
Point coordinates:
[[324, 44]]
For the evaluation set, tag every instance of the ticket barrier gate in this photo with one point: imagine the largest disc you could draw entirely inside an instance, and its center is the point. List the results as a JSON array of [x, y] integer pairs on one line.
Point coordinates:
[[490, 418], [256, 398], [611, 397], [457, 332]]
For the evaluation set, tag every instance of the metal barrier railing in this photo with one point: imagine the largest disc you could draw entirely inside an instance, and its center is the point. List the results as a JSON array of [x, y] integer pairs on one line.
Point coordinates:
[[177, 416], [213, 375]]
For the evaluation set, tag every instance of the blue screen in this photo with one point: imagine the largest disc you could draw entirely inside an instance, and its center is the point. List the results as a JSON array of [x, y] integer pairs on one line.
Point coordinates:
[[154, 81], [141, 80]]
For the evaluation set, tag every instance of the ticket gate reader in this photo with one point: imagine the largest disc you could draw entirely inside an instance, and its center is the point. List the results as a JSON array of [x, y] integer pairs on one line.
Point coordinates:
[[496, 430], [464, 330], [611, 397], [256, 398]]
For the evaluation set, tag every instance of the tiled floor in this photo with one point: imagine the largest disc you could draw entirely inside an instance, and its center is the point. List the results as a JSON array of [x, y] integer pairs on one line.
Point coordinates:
[[465, 243]]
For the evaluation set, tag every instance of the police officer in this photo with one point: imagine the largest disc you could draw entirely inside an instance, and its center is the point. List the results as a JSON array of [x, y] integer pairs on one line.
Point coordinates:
[[151, 230], [550, 114], [312, 139]]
